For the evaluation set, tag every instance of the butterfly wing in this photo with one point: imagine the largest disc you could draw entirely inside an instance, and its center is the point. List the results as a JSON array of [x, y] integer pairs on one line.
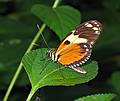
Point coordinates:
[[73, 54], [87, 32], [76, 48]]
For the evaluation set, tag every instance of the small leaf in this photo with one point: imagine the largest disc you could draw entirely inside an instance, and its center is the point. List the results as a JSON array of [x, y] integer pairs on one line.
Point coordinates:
[[97, 97], [47, 73], [61, 19], [115, 81]]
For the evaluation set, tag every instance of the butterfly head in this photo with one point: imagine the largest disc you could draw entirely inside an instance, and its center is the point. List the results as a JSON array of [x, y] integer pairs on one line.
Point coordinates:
[[49, 52]]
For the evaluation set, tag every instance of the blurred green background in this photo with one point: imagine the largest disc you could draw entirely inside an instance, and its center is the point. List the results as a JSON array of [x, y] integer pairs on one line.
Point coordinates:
[[18, 27]]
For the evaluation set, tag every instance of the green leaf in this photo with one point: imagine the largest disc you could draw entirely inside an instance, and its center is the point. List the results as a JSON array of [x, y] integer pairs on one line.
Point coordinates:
[[115, 81], [47, 73], [97, 97], [61, 19]]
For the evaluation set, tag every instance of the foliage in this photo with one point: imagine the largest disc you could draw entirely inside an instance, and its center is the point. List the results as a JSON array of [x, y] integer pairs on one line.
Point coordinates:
[[18, 27], [97, 97], [47, 73], [59, 19]]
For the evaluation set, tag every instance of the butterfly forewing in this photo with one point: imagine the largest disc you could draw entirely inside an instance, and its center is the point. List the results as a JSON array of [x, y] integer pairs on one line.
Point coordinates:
[[89, 30]]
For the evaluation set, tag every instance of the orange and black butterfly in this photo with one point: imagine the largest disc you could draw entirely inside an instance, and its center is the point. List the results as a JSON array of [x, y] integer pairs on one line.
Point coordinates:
[[76, 47]]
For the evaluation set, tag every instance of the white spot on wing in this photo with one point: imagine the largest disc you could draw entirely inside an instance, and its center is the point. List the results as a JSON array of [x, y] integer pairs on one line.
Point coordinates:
[[74, 65], [86, 24], [91, 43], [97, 25], [85, 46], [83, 61], [87, 58], [89, 25], [87, 50], [75, 39], [95, 28], [77, 64], [80, 40], [71, 66], [80, 63], [93, 21], [97, 32]]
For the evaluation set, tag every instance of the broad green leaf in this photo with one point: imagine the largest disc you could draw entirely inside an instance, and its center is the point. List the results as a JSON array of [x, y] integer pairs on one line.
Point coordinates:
[[97, 97], [61, 19], [47, 73]]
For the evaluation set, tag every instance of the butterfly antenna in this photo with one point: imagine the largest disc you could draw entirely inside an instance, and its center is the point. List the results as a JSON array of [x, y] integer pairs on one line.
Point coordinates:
[[43, 38]]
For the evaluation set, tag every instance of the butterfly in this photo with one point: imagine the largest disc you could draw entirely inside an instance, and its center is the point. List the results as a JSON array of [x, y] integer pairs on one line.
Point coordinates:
[[76, 47]]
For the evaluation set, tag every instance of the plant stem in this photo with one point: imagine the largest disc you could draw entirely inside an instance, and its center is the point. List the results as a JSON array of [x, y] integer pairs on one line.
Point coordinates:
[[21, 65], [12, 82], [30, 95]]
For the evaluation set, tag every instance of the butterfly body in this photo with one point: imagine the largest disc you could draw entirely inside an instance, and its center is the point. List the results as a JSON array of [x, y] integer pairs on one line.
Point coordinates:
[[76, 47]]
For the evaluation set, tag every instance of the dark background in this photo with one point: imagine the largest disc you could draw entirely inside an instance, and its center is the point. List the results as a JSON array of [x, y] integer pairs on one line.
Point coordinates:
[[18, 27]]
